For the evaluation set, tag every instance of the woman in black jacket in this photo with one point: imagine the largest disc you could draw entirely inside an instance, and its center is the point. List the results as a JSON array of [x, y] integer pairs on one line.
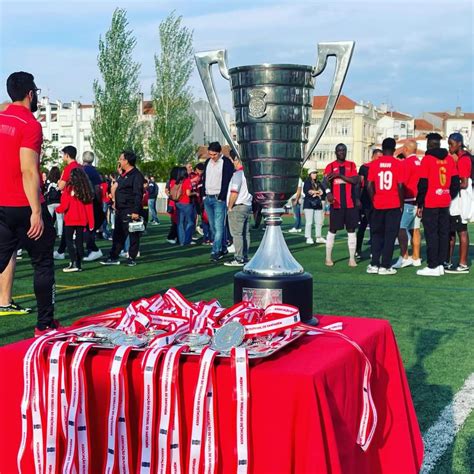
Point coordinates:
[[313, 206]]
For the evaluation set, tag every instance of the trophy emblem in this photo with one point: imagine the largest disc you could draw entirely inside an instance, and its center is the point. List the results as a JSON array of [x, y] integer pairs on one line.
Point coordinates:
[[257, 104], [272, 104]]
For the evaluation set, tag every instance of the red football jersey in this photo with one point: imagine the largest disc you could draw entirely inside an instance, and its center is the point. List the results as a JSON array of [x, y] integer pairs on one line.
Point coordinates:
[[341, 190], [464, 164], [411, 175], [18, 129], [386, 173], [438, 173]]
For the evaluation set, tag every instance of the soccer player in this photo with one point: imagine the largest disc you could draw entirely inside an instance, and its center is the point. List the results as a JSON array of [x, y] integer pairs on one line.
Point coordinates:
[[385, 188], [438, 183], [366, 203], [410, 222], [457, 219], [340, 177]]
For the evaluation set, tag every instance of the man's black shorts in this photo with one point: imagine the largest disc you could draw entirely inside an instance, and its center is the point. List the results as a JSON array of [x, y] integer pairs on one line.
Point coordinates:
[[14, 225], [340, 218], [456, 225]]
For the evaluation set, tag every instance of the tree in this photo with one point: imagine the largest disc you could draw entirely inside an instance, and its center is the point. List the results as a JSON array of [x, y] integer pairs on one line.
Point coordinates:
[[115, 125], [170, 141]]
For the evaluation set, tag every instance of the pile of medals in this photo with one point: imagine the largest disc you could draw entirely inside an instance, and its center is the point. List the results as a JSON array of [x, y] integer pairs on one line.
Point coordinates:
[[172, 320]]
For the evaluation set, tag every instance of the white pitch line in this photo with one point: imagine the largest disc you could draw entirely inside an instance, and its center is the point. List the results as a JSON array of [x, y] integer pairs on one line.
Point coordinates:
[[439, 436]]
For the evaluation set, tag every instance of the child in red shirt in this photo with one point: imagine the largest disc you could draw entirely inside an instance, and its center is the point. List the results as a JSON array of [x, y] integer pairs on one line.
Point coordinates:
[[76, 204]]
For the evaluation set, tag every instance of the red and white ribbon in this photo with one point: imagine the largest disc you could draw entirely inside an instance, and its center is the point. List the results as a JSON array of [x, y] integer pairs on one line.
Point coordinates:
[[239, 363]]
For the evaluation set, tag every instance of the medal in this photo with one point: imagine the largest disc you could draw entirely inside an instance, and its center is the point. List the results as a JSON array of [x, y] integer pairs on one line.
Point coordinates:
[[228, 336]]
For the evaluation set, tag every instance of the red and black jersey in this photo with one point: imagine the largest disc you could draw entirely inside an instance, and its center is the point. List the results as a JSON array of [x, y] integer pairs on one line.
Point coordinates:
[[464, 164], [341, 190]]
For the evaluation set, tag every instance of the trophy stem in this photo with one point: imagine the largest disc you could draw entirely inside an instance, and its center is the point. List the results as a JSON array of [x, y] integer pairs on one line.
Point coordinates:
[[273, 258]]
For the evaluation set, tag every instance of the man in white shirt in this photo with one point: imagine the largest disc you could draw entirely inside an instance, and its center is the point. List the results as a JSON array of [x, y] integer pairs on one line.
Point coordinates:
[[239, 209], [218, 171]]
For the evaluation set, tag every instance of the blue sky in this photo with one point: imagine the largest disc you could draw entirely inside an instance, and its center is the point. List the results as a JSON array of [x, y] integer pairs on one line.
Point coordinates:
[[415, 56]]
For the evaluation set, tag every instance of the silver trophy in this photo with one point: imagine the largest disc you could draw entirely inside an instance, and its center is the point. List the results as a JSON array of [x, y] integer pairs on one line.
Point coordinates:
[[273, 104]]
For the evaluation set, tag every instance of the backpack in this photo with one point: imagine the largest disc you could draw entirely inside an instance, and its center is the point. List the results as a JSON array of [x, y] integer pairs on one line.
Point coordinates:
[[176, 192], [53, 194]]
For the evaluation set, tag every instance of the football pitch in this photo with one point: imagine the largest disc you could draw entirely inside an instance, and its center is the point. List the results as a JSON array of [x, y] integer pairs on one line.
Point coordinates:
[[432, 317]]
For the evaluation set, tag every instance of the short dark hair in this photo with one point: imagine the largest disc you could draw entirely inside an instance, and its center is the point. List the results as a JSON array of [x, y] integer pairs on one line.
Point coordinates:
[[376, 150], [130, 157], [389, 144], [340, 144], [214, 146], [19, 84], [199, 166], [434, 136], [71, 151]]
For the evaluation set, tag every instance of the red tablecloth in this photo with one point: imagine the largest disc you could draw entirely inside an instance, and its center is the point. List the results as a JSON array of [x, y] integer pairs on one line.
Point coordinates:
[[305, 405]]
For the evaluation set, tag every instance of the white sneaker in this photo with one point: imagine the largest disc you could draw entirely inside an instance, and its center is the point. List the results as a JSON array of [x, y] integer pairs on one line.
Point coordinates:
[[320, 240], [387, 271], [231, 248], [171, 241], [310, 241], [416, 262], [94, 256], [293, 230], [432, 272], [372, 269], [441, 270], [403, 262], [123, 254], [199, 230], [58, 256]]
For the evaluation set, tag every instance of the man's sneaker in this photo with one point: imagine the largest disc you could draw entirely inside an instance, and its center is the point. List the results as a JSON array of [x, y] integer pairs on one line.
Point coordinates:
[[58, 256], [110, 261], [403, 262], [54, 325], [94, 256], [72, 267], [459, 269], [427, 271], [155, 223], [310, 241], [234, 263], [372, 269], [320, 240], [199, 230], [130, 262], [294, 230], [416, 262], [448, 266], [171, 241], [357, 256], [231, 248], [13, 309], [224, 251], [387, 271], [215, 257], [441, 270], [123, 254]]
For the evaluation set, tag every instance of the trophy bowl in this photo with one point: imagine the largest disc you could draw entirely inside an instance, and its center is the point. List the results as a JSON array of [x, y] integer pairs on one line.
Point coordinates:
[[272, 105]]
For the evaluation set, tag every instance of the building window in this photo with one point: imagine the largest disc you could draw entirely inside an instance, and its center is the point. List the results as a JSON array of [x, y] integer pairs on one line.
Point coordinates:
[[403, 125], [55, 137], [87, 138]]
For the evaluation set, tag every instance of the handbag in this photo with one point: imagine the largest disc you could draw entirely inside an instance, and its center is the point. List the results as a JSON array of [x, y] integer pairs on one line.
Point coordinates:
[[136, 226]]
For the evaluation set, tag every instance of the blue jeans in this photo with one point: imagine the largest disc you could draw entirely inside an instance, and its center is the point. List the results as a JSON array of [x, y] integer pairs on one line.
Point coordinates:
[[216, 212], [105, 226], [297, 213], [186, 219], [152, 207]]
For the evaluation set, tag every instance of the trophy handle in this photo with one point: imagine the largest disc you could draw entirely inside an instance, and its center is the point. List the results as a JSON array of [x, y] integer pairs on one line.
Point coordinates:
[[204, 62], [343, 53]]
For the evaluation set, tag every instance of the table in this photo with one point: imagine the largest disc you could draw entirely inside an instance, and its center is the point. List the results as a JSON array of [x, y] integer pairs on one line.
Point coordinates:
[[305, 405]]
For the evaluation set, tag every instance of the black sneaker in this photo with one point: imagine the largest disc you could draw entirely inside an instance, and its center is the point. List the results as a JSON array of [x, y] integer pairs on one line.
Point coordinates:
[[215, 257], [460, 269], [130, 262], [110, 261], [357, 256], [13, 309], [72, 267], [448, 266]]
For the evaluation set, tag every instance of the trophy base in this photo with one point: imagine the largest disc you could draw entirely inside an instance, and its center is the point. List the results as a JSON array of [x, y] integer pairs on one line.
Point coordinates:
[[296, 290]]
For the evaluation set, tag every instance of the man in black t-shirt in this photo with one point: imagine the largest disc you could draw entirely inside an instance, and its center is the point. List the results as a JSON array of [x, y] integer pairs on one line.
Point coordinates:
[[152, 196]]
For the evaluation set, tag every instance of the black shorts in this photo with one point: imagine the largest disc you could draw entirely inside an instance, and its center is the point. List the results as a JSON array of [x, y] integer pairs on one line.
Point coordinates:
[[14, 225], [456, 225], [343, 218]]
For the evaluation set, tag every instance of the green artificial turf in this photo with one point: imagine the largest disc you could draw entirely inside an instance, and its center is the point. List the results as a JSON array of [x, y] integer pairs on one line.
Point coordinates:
[[431, 317]]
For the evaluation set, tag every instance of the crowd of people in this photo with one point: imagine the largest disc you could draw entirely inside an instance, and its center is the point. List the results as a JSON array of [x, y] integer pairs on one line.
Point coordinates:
[[390, 196]]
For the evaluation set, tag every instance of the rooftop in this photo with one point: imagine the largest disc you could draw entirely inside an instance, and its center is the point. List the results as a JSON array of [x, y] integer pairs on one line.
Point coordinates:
[[343, 103]]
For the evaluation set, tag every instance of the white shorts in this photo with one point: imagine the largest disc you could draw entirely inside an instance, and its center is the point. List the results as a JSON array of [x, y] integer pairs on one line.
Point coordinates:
[[410, 220]]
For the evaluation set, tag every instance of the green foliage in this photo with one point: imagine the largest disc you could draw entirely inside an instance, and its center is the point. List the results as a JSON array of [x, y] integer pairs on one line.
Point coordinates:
[[115, 125], [49, 155], [170, 142]]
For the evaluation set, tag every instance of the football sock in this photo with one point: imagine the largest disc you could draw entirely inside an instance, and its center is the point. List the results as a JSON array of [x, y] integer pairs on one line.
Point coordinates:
[[329, 245], [352, 244]]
